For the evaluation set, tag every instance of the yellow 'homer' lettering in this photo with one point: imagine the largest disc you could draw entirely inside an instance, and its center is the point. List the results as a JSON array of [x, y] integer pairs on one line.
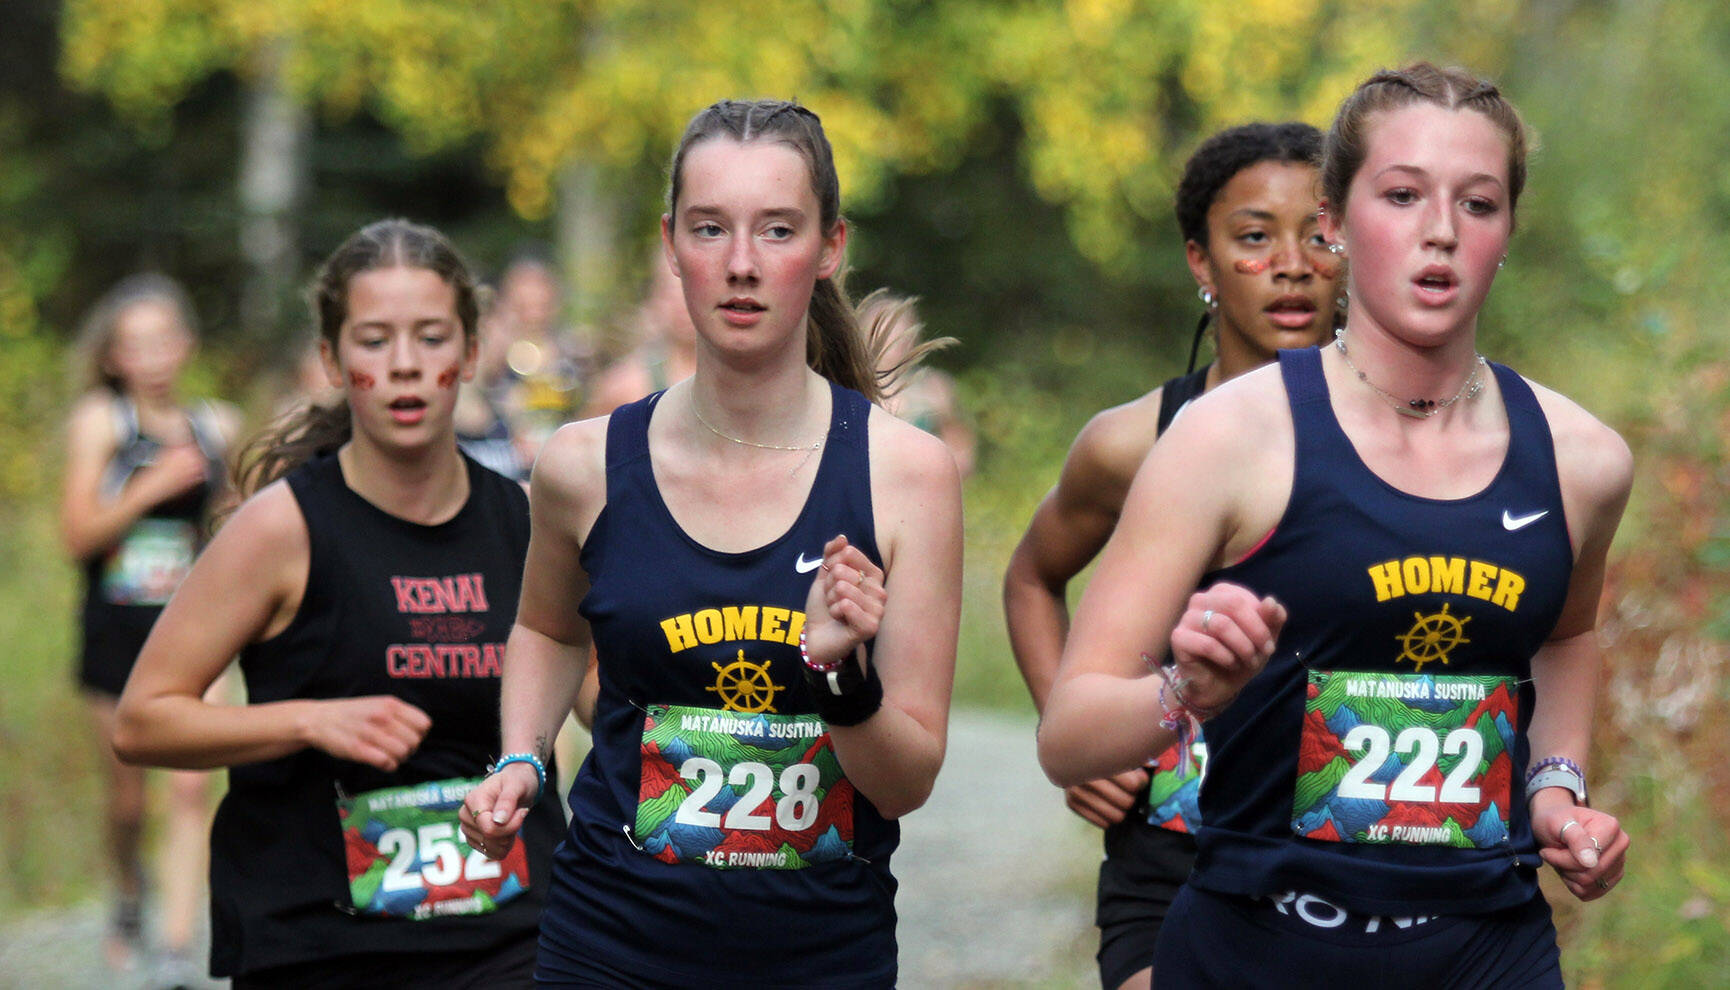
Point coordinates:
[[1387, 580], [1508, 590], [680, 636], [739, 622], [1448, 575], [1480, 584]]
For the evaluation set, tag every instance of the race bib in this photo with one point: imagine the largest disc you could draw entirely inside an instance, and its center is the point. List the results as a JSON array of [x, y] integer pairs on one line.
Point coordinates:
[[152, 559], [1174, 788], [733, 790], [1406, 758], [408, 859]]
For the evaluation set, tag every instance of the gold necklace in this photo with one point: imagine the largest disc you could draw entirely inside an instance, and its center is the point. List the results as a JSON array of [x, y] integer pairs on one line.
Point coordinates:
[[1416, 408], [751, 443]]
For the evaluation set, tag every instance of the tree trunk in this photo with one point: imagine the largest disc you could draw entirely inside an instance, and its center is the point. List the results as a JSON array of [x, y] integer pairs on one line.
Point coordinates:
[[588, 231], [275, 139]]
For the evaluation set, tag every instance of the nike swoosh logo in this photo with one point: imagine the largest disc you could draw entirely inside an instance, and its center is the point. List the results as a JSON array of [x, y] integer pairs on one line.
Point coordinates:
[[804, 566], [1511, 522]]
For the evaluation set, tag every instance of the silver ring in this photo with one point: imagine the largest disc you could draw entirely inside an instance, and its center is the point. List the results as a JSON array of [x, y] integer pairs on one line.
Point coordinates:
[[1595, 842], [1206, 617], [1604, 884], [1563, 832]]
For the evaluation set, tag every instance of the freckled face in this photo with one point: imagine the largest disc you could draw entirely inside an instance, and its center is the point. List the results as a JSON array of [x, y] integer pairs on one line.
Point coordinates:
[[149, 348], [1266, 262], [747, 244], [402, 351], [1426, 221]]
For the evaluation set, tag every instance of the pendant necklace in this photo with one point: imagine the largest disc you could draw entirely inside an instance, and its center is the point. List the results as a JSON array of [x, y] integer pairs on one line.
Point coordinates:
[[1415, 408]]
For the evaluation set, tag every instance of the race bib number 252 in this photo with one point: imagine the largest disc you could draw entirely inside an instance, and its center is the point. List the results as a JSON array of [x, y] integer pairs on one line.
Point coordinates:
[[1406, 758], [408, 859]]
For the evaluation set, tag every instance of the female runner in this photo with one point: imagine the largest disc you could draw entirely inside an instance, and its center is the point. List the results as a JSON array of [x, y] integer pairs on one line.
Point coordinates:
[[368, 587], [1380, 797], [770, 568], [143, 472], [1247, 208]]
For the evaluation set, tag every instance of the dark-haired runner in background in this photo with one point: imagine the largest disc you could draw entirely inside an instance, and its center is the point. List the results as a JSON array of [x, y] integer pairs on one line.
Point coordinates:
[[1247, 209]]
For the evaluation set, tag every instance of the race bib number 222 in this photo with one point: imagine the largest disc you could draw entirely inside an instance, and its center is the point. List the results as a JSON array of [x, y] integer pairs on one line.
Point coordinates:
[[1406, 758]]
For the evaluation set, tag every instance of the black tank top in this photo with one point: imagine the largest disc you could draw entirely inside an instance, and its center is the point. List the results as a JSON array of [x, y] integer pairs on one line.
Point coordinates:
[[126, 584], [109, 581], [390, 607]]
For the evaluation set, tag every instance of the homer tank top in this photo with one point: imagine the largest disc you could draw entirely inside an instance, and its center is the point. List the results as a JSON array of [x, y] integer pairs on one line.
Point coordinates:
[[715, 840], [1378, 760]]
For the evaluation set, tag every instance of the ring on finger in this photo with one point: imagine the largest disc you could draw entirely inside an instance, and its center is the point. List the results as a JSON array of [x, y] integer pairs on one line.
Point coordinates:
[[1605, 884], [1206, 618], [1570, 823], [1595, 842]]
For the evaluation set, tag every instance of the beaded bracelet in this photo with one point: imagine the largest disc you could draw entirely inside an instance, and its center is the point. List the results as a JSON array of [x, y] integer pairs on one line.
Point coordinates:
[[1174, 719], [1201, 714], [821, 668], [529, 758]]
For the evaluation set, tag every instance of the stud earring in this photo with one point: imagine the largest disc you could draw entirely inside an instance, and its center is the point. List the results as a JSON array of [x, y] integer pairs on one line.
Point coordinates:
[[1206, 297], [1499, 264], [1334, 247]]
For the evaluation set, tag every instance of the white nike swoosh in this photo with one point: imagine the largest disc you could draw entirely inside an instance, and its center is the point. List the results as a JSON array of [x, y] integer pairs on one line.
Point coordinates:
[[804, 566], [1511, 522]]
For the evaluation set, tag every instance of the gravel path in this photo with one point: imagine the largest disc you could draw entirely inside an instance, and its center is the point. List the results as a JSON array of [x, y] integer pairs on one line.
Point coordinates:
[[996, 885]]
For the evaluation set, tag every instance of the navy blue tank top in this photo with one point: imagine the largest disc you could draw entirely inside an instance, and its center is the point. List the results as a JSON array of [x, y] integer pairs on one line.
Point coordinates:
[[694, 642], [1378, 761], [390, 607]]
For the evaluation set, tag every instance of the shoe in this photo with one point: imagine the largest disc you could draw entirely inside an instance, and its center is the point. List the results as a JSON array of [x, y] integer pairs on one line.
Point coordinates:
[[123, 946], [176, 971]]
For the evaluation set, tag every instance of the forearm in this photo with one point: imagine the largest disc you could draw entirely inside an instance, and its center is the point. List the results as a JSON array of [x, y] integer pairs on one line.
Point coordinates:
[[891, 758], [188, 733], [1038, 620], [539, 687], [1565, 680], [96, 525], [1096, 725]]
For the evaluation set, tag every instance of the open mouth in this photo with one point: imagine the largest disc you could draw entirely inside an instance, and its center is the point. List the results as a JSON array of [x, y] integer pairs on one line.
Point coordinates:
[[1291, 311], [742, 306], [1436, 281], [407, 410]]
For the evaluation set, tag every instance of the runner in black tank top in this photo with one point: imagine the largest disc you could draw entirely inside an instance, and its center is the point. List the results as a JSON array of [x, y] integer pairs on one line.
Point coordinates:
[[369, 592], [770, 567], [1381, 795], [1247, 208], [143, 471]]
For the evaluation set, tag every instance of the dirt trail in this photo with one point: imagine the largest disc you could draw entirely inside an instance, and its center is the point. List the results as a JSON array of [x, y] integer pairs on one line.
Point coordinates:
[[996, 884]]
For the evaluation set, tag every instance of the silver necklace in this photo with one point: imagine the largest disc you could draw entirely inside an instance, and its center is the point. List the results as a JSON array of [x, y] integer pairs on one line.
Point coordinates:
[[1417, 408], [752, 443]]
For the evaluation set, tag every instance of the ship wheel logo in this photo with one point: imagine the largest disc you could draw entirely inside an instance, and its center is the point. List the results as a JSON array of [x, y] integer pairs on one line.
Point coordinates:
[[1432, 637], [744, 686]]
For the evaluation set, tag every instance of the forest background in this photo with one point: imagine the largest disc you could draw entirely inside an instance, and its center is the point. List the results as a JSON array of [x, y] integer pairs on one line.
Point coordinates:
[[1011, 163]]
